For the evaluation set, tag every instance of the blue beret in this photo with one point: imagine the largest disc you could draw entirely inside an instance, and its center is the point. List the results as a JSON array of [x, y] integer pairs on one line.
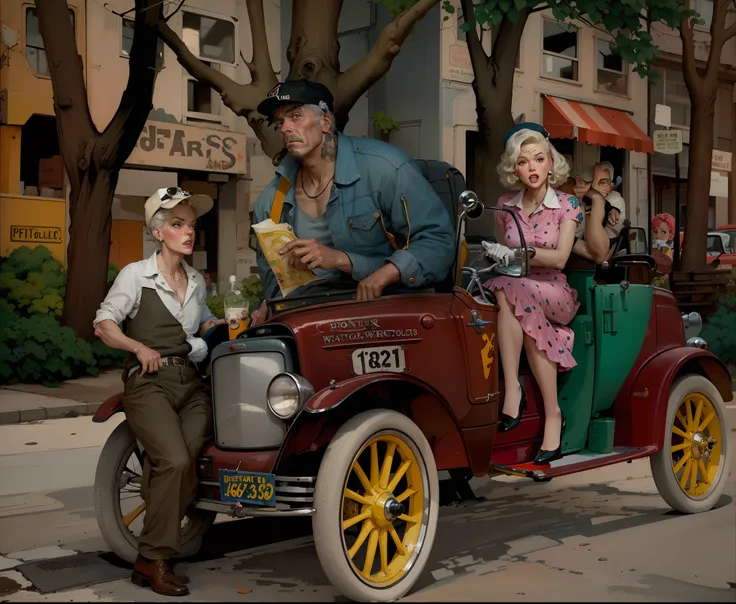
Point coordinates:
[[524, 126]]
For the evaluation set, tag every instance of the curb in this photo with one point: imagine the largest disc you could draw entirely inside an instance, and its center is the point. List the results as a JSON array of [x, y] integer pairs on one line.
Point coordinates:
[[19, 416]]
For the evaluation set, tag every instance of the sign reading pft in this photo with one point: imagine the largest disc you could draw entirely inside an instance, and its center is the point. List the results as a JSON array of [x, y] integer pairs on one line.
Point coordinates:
[[668, 142], [35, 234]]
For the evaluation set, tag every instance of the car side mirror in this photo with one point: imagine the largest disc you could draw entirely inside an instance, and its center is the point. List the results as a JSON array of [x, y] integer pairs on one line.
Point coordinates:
[[637, 241], [472, 206]]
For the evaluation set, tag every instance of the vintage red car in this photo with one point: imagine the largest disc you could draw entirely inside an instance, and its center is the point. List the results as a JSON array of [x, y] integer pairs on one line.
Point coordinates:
[[345, 411]]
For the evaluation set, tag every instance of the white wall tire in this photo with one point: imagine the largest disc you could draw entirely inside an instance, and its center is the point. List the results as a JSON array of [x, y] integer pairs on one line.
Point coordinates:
[[690, 470], [354, 516], [111, 480]]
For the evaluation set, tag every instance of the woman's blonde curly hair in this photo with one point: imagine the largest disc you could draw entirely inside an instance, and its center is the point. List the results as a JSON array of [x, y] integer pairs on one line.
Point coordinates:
[[558, 173]]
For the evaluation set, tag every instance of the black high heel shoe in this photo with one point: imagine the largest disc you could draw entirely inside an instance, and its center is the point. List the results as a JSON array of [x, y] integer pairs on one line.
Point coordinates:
[[545, 457], [508, 422]]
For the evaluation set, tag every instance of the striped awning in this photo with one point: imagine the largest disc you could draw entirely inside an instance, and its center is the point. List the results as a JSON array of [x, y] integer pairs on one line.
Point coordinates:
[[594, 124]]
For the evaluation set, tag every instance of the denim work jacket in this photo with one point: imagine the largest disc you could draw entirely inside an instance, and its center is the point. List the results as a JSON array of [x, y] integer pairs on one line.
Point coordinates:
[[371, 177]]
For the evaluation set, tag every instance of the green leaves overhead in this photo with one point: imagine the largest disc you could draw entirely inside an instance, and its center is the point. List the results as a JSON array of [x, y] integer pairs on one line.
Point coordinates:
[[623, 20]]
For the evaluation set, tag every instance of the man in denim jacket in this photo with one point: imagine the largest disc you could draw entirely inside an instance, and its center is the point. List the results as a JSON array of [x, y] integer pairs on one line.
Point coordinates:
[[358, 206]]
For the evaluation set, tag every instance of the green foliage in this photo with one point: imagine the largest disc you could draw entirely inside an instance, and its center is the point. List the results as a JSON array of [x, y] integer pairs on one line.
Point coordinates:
[[32, 282], [34, 346], [384, 123], [624, 21], [112, 274], [216, 304], [252, 290], [719, 329], [38, 349]]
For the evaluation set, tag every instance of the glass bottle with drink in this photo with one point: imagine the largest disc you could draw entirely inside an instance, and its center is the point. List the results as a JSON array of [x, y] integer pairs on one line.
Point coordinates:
[[236, 310]]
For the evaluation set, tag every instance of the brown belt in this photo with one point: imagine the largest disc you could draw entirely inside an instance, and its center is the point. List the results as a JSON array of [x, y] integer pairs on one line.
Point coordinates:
[[179, 361]]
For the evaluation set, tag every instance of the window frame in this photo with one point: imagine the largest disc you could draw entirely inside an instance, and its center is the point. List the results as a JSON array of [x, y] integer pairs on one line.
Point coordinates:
[[217, 16], [161, 47], [544, 53], [32, 7], [195, 117], [664, 69], [626, 73], [706, 27]]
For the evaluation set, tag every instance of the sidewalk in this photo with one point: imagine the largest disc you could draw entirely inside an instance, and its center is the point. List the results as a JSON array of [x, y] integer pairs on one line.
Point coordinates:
[[31, 402]]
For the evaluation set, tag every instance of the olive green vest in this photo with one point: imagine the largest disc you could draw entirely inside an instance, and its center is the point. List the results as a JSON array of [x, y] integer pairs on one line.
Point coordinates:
[[154, 326]]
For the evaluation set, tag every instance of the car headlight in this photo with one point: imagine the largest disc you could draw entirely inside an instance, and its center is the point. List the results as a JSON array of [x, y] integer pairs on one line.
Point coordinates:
[[287, 393], [693, 324]]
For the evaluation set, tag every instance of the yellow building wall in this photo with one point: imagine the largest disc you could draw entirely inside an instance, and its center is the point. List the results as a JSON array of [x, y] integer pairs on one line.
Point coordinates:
[[10, 159], [32, 221], [26, 220], [28, 93]]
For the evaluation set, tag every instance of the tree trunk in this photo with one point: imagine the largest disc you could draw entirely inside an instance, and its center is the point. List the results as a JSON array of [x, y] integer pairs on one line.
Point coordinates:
[[494, 89], [694, 245], [314, 51], [92, 159], [89, 249]]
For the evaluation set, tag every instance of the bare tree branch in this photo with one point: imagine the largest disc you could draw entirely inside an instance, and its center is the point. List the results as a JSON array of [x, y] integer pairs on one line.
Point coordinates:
[[178, 8], [363, 74], [260, 67], [240, 98], [689, 68], [74, 122], [478, 56], [121, 134]]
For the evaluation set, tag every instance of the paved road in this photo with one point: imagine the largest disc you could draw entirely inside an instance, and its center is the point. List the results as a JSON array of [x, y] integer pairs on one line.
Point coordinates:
[[601, 535]]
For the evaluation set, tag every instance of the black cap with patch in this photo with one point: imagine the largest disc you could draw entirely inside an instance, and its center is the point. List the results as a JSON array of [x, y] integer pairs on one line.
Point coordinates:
[[295, 92]]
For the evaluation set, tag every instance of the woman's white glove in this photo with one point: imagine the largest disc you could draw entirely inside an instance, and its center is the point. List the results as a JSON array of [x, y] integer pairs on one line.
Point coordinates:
[[497, 252]]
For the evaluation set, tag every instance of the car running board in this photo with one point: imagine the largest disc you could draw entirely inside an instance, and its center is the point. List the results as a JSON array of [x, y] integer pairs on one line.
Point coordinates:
[[572, 463]]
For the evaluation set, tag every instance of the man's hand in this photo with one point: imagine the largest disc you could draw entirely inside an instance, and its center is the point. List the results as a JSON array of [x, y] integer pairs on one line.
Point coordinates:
[[258, 316], [613, 217], [150, 360], [373, 285], [207, 325], [309, 254], [581, 188]]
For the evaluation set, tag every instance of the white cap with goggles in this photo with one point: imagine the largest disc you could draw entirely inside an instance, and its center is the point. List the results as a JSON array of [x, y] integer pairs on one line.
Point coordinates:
[[172, 196]]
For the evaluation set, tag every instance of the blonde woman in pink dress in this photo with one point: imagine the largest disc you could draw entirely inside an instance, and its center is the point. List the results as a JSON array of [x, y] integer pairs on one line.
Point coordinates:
[[535, 310]]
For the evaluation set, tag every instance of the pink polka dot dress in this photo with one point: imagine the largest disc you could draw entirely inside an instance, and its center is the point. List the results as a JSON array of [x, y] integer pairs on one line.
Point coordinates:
[[543, 302]]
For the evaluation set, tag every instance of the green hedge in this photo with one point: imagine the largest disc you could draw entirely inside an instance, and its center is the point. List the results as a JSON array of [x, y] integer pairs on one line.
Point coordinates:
[[34, 346]]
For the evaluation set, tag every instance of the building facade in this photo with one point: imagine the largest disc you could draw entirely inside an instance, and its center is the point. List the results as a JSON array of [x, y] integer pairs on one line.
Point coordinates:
[[670, 90], [191, 138], [33, 189]]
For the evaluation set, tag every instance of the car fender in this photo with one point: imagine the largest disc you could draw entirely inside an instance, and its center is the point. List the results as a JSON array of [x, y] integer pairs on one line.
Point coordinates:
[[110, 407], [318, 420], [649, 395]]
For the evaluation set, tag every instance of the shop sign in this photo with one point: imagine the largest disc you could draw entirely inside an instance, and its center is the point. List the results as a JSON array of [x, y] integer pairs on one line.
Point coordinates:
[[668, 142], [721, 161], [35, 234], [172, 145]]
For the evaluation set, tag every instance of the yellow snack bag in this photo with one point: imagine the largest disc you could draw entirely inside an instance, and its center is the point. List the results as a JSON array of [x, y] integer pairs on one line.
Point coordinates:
[[272, 237]]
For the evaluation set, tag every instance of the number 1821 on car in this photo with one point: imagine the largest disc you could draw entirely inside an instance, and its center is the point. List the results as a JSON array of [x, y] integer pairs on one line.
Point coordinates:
[[379, 358]]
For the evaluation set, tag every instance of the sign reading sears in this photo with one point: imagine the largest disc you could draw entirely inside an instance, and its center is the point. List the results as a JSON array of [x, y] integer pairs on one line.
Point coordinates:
[[189, 147], [35, 234]]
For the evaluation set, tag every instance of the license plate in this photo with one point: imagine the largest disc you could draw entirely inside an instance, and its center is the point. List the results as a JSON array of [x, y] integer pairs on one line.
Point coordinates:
[[380, 358], [254, 488]]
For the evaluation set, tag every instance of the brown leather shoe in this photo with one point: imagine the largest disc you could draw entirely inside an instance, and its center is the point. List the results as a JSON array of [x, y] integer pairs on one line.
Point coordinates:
[[157, 575]]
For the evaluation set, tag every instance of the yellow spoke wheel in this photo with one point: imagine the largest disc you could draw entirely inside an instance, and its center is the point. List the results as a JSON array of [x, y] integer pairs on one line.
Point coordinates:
[[388, 486], [690, 467], [696, 445], [377, 506]]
